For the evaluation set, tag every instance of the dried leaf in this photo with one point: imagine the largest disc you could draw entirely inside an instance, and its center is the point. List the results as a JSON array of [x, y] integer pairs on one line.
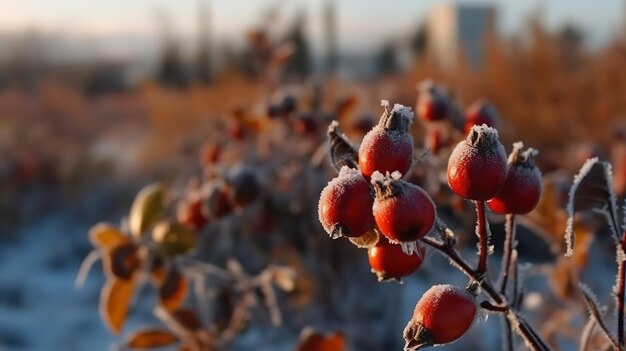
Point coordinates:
[[548, 218], [123, 261], [284, 278], [342, 153], [146, 209], [174, 238], [157, 271], [174, 290], [105, 236], [115, 301], [592, 190], [563, 279], [367, 240], [345, 107], [312, 341], [151, 338]]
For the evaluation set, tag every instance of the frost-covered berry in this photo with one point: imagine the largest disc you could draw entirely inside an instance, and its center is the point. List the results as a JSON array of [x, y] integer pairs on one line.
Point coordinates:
[[388, 147], [192, 214], [433, 103], [522, 188], [479, 113], [388, 261], [442, 315], [477, 167], [403, 211], [345, 206]]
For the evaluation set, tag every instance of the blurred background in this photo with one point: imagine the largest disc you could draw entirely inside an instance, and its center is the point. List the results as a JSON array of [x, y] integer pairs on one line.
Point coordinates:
[[98, 99]]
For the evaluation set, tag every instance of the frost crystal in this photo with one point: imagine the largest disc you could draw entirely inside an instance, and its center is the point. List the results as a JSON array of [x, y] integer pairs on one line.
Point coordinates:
[[377, 177], [592, 190], [411, 247]]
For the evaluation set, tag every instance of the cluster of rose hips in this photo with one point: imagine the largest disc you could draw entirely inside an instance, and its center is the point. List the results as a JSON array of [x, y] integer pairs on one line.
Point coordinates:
[[435, 106], [239, 188], [370, 203]]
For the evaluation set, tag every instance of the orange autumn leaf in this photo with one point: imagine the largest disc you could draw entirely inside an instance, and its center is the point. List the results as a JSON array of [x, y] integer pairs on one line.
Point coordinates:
[[105, 236], [157, 271], [173, 291], [115, 301], [151, 338]]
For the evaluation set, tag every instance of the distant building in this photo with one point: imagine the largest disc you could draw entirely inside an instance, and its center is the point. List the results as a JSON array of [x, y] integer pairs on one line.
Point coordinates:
[[454, 30]]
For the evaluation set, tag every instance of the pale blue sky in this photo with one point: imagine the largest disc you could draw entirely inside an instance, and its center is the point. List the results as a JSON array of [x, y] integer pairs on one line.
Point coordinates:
[[362, 23]]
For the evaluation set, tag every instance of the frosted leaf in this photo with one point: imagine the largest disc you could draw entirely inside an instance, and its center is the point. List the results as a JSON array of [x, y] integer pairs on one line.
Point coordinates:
[[367, 240], [592, 189], [595, 312], [342, 152]]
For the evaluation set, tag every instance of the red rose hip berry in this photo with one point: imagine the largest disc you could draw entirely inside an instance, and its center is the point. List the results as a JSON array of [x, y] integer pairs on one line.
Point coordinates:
[[389, 262], [388, 147], [403, 211], [522, 188], [479, 113], [345, 206], [433, 103], [442, 315], [477, 167], [192, 214]]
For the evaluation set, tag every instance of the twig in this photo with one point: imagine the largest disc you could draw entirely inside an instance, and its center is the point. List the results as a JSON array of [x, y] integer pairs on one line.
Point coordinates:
[[85, 267], [586, 334], [504, 274], [619, 296], [523, 329], [507, 343], [509, 240], [483, 237]]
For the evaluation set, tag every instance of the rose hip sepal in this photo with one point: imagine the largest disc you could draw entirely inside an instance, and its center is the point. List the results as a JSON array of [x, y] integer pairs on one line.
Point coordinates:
[[345, 205], [522, 188], [477, 167], [389, 262], [442, 315], [388, 147], [403, 211]]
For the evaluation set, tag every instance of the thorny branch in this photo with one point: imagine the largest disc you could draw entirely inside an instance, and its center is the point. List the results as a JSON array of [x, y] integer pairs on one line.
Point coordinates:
[[498, 299]]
